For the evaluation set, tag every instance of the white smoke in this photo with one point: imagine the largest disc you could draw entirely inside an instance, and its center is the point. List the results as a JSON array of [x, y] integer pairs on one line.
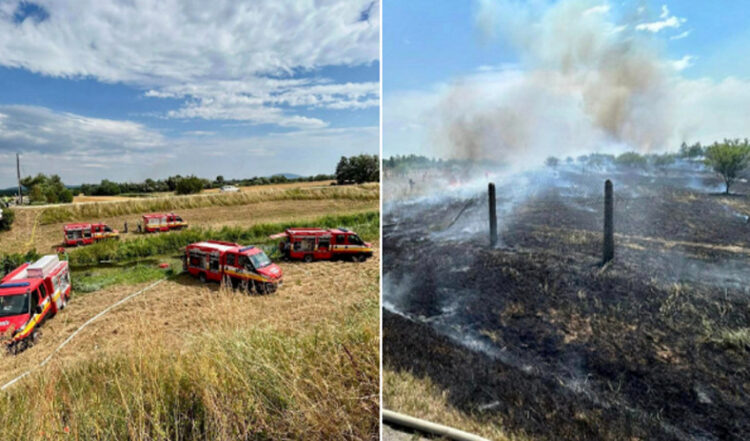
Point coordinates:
[[584, 83]]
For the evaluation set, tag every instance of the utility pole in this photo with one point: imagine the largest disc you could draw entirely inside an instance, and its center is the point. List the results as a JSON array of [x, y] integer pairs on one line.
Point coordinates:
[[18, 172], [609, 224], [493, 215]]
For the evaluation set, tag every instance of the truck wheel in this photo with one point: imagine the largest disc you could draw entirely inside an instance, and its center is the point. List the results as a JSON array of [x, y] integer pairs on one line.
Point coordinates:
[[270, 288], [308, 258], [79, 243], [202, 277], [358, 258]]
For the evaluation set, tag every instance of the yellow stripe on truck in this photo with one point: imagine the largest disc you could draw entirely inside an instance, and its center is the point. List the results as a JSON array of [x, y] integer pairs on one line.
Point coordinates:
[[34, 320], [257, 277]]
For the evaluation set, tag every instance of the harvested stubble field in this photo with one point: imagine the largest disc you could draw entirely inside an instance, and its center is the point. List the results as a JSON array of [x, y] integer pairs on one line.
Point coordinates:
[[192, 361], [535, 340], [316, 184], [266, 206]]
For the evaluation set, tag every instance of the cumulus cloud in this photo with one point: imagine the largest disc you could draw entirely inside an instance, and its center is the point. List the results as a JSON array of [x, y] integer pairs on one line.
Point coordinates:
[[203, 52]]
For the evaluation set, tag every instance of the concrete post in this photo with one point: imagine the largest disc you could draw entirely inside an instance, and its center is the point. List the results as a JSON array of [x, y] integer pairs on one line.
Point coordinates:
[[493, 215], [609, 227]]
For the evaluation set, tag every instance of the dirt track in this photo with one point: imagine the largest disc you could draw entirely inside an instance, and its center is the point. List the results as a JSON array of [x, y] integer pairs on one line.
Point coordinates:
[[316, 294]]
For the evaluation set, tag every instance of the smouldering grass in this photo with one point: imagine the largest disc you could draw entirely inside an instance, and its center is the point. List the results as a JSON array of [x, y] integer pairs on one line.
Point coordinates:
[[734, 338]]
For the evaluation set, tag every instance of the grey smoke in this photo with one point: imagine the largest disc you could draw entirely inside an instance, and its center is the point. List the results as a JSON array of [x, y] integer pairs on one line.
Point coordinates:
[[584, 83]]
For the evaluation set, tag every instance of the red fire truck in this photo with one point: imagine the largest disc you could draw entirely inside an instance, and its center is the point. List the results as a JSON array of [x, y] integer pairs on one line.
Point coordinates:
[[86, 234], [244, 266], [29, 295], [156, 222], [311, 244]]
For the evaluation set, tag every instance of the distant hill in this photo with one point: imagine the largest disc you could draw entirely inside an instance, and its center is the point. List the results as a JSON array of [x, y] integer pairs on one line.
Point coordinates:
[[287, 175]]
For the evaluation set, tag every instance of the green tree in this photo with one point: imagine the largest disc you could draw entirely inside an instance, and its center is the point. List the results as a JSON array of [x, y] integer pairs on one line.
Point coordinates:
[[190, 185], [358, 169], [551, 162], [729, 159]]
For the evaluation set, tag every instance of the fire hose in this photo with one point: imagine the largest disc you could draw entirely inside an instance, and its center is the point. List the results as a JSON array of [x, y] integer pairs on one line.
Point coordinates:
[[80, 328], [428, 427]]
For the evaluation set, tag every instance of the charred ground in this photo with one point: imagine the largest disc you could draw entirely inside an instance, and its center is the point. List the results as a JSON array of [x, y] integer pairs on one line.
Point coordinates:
[[536, 334]]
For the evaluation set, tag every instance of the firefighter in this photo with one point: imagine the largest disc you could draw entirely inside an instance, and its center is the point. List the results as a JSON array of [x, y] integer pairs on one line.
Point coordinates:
[[125, 227], [140, 227]]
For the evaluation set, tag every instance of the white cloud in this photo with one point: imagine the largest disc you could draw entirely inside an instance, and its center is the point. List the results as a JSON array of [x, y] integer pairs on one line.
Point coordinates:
[[259, 100], [172, 47], [664, 12], [683, 63], [38, 129], [682, 35], [601, 9], [667, 21], [82, 149]]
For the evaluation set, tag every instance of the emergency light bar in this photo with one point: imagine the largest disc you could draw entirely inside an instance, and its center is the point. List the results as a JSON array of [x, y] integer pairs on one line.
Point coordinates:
[[242, 250], [14, 285]]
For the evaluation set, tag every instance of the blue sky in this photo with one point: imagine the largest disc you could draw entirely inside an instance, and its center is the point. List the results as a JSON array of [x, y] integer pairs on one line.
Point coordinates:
[[135, 90], [466, 67]]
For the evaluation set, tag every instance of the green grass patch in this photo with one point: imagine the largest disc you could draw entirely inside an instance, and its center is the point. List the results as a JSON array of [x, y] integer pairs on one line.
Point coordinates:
[[94, 279], [367, 225]]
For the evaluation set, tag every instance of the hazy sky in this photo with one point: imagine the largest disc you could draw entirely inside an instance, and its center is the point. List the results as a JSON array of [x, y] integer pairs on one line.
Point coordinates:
[[527, 79], [128, 90]]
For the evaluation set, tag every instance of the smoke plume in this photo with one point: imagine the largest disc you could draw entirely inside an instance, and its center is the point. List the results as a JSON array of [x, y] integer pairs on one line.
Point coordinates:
[[583, 83]]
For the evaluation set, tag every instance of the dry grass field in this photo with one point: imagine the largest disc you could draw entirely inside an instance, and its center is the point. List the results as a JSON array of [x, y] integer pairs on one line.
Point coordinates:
[[28, 233], [190, 361]]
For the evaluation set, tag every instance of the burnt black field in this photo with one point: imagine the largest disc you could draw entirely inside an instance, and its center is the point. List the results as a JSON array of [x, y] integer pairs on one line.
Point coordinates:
[[537, 333]]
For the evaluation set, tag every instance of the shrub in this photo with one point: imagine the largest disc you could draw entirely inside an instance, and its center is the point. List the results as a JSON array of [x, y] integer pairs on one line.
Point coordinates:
[[7, 219]]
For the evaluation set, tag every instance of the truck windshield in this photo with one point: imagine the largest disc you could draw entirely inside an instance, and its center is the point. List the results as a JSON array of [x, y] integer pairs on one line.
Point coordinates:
[[260, 260], [14, 305]]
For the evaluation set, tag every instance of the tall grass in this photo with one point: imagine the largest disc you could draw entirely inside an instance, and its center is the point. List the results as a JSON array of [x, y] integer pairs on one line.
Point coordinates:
[[366, 224], [242, 384], [66, 213]]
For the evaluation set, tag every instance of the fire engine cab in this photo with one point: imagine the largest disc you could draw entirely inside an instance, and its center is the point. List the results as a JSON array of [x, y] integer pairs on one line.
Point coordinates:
[[311, 244], [86, 234], [246, 267], [29, 295], [156, 222]]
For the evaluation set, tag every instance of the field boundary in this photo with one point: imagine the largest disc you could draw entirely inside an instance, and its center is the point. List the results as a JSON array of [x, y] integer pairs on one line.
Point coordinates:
[[77, 331], [71, 212]]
